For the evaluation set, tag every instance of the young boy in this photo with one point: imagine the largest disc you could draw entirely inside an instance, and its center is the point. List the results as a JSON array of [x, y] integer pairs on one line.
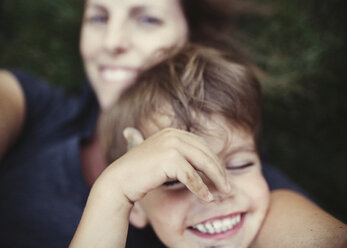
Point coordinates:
[[208, 191]]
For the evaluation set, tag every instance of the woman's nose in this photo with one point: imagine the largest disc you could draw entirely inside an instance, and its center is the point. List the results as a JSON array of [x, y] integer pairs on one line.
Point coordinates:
[[117, 38]]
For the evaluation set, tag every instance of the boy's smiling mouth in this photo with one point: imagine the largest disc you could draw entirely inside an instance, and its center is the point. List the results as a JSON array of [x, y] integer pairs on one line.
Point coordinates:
[[220, 227]]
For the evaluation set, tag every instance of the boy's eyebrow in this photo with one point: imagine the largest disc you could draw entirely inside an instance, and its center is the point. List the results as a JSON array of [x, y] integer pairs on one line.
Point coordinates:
[[238, 149]]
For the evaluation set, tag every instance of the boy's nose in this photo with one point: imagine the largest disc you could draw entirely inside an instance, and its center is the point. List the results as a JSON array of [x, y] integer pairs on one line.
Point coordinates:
[[221, 196], [217, 194]]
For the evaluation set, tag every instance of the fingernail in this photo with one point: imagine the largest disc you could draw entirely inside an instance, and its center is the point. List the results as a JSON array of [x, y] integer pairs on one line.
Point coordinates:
[[228, 187], [210, 197]]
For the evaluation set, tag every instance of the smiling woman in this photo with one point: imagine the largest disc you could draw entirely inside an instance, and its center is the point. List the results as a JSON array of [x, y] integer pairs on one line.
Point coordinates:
[[135, 33]]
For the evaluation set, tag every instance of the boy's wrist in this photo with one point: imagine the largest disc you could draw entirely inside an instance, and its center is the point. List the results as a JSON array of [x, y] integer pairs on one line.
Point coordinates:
[[106, 190], [105, 219]]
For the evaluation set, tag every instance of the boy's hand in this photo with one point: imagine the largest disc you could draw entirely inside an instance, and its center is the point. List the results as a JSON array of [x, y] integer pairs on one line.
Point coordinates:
[[168, 154]]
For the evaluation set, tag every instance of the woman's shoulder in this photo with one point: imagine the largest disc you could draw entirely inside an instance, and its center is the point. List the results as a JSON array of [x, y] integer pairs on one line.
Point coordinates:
[[12, 108], [44, 99], [48, 110], [34, 87]]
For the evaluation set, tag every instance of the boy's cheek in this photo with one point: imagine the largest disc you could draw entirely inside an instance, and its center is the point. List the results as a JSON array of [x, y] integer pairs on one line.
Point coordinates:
[[162, 208], [167, 199], [255, 188], [261, 193]]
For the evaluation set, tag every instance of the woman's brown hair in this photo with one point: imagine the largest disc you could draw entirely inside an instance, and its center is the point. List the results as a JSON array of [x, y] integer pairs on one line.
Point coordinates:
[[198, 80]]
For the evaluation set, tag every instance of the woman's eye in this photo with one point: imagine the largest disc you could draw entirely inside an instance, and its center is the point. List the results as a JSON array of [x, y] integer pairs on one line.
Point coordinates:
[[97, 19], [150, 20], [239, 166]]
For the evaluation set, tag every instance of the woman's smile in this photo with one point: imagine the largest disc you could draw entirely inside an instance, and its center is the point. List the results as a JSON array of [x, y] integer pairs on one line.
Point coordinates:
[[119, 38], [117, 74]]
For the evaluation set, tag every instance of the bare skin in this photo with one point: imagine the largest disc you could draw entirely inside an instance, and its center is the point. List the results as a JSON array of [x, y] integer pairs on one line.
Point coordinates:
[[12, 108], [12, 115], [327, 231], [126, 181], [306, 225]]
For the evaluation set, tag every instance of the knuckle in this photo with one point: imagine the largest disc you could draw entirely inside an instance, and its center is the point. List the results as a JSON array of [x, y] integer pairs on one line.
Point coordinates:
[[169, 131], [201, 140], [172, 154], [206, 165], [188, 175], [172, 140], [195, 180], [191, 175]]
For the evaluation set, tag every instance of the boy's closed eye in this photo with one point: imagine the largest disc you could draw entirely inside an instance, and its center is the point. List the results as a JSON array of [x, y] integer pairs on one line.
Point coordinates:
[[172, 184], [232, 166], [239, 165]]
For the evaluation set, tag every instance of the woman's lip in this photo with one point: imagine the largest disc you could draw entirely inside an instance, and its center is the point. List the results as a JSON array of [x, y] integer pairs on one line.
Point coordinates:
[[116, 74], [221, 235], [117, 67]]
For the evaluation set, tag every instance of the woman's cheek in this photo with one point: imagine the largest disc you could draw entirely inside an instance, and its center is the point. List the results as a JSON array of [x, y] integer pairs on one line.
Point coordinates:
[[90, 43]]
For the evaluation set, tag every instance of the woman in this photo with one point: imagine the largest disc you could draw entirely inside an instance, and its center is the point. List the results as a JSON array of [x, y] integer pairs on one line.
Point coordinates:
[[48, 146]]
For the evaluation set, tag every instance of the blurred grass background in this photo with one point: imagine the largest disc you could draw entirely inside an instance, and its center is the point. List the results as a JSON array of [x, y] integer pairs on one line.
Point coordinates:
[[299, 45]]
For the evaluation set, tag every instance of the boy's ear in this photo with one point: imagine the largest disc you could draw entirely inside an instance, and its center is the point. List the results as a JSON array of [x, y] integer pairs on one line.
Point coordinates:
[[138, 217]]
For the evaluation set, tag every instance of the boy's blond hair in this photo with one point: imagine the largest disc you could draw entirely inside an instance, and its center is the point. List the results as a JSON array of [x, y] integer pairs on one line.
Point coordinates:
[[197, 80]]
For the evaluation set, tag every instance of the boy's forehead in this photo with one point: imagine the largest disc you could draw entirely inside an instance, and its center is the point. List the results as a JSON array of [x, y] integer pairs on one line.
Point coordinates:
[[218, 133], [230, 141], [224, 138]]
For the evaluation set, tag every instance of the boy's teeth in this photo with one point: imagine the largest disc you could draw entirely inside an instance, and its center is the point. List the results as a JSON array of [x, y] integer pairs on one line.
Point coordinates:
[[209, 228], [201, 228], [218, 226]]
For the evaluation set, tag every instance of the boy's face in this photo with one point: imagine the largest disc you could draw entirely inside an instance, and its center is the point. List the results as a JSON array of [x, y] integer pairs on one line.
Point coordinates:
[[181, 220]]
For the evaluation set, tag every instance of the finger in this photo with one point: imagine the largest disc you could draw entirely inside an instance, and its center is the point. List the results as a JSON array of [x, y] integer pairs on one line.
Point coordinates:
[[133, 137], [201, 161], [188, 176], [208, 167], [200, 144], [179, 144], [196, 141]]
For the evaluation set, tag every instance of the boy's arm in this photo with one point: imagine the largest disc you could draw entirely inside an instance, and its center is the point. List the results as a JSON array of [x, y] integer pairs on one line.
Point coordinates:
[[105, 219], [294, 221], [147, 166]]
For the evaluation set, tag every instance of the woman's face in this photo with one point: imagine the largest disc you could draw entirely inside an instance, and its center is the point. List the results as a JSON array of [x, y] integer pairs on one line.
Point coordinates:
[[121, 37]]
